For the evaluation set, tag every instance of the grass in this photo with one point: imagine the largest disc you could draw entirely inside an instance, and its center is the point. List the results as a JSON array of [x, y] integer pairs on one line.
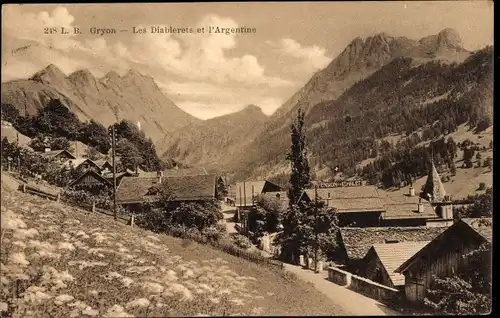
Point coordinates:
[[61, 261]]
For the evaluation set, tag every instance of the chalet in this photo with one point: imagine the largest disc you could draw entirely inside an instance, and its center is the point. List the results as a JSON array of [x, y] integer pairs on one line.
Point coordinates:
[[82, 164], [246, 193], [174, 172], [119, 176], [354, 243], [104, 164], [381, 260], [134, 191], [442, 257], [281, 196], [57, 155], [91, 181], [365, 206]]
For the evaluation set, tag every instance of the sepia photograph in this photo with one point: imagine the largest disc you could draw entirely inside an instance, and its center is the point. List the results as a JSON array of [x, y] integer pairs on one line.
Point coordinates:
[[247, 159]]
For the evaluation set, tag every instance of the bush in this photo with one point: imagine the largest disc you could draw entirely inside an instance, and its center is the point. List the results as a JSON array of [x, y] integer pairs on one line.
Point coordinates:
[[482, 186], [242, 242]]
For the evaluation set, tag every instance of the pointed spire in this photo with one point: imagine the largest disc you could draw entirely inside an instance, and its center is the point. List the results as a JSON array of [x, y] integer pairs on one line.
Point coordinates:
[[433, 190]]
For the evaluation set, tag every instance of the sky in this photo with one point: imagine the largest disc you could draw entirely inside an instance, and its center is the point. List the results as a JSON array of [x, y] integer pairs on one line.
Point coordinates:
[[210, 75]]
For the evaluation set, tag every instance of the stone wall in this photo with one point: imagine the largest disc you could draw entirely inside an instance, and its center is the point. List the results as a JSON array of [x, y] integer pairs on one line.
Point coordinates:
[[364, 286], [339, 276]]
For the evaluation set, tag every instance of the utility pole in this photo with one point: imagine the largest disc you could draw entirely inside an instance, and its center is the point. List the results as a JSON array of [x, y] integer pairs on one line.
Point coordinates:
[[316, 227], [113, 154]]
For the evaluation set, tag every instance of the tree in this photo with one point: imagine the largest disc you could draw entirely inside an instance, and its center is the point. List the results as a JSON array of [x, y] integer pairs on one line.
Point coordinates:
[[96, 135], [130, 156], [469, 291], [60, 143], [299, 178], [92, 153], [10, 113]]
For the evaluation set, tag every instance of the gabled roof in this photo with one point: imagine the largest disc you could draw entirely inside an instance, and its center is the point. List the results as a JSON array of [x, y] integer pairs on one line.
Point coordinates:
[[433, 186], [282, 196], [476, 228], [244, 195], [357, 241], [483, 226], [79, 161], [102, 162], [392, 255], [54, 153], [347, 199], [186, 188], [91, 177]]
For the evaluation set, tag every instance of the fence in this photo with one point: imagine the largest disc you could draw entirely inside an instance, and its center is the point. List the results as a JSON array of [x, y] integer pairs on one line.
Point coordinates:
[[229, 249], [31, 189]]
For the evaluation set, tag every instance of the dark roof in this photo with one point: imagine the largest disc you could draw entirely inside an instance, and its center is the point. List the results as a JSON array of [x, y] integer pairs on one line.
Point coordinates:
[[406, 207], [348, 199], [54, 153], [79, 161], [175, 172], [479, 228], [102, 162], [357, 241], [186, 188], [91, 177], [392, 255]]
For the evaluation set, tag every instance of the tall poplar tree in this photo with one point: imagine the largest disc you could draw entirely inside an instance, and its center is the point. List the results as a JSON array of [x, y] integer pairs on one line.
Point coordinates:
[[300, 175]]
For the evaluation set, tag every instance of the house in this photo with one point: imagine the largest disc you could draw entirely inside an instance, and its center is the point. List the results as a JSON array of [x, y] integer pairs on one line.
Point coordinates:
[[354, 243], [442, 257], [281, 196], [104, 164], [91, 181], [57, 155], [356, 206], [381, 260], [82, 164], [246, 193], [119, 176], [174, 172], [133, 191], [409, 210]]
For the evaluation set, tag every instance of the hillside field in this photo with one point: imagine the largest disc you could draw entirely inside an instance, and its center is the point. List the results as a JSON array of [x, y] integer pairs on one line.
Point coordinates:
[[70, 263]]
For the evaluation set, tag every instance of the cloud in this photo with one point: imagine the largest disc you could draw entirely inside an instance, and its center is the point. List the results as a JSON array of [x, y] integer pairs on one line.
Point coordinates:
[[312, 57]]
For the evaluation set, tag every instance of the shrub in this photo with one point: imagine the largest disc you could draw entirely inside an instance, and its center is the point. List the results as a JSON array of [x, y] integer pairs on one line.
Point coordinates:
[[482, 186], [242, 241]]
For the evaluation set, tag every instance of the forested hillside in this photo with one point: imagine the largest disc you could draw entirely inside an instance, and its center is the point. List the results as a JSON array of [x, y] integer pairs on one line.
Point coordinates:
[[399, 98]]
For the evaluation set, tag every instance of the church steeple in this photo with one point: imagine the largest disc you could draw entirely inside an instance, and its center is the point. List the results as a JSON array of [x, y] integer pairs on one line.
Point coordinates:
[[433, 190]]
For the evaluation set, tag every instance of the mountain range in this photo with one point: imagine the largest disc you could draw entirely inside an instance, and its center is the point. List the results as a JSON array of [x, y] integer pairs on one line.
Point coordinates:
[[348, 105], [133, 96]]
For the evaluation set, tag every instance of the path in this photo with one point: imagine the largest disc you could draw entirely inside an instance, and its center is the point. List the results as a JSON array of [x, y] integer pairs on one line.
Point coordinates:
[[228, 212], [351, 302]]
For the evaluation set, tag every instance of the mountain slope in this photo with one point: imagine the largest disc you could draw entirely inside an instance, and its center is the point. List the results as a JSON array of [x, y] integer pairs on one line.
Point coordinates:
[[212, 141], [399, 98], [133, 96]]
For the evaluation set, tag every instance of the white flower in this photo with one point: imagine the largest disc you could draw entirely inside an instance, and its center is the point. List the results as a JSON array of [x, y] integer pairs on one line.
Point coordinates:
[[19, 259]]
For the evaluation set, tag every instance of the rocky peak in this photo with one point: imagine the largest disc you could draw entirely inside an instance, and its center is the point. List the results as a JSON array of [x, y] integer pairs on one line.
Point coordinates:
[[449, 37], [82, 77], [50, 74]]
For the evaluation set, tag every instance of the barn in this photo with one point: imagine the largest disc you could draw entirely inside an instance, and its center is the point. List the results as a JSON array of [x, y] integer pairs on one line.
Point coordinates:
[[442, 257]]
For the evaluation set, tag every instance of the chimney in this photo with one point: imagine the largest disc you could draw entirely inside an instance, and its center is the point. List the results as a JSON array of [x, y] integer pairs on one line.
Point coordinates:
[[159, 174], [420, 206], [411, 191], [47, 149]]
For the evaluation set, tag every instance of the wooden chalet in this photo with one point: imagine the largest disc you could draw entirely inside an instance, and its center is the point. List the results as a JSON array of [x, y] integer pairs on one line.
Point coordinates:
[[104, 164], [354, 243], [134, 191], [57, 155], [442, 257], [91, 181], [82, 164], [381, 260]]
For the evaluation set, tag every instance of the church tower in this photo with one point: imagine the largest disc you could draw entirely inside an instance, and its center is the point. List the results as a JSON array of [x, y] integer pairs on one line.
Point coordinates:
[[435, 193]]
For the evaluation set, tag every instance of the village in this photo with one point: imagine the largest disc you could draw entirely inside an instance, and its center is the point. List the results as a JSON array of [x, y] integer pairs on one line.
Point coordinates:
[[388, 246]]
